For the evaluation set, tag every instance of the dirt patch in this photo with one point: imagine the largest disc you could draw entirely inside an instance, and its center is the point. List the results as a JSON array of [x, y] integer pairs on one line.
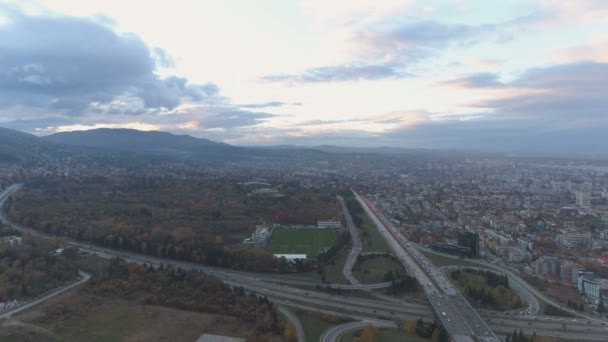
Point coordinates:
[[80, 316]]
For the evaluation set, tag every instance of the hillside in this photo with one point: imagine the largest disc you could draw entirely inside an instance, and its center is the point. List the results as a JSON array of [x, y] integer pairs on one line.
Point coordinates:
[[17, 146], [170, 145]]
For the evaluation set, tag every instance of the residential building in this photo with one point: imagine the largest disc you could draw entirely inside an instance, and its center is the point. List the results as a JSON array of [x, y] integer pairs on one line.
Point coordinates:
[[547, 266], [470, 240], [571, 239], [583, 199], [589, 287], [525, 243], [569, 272]]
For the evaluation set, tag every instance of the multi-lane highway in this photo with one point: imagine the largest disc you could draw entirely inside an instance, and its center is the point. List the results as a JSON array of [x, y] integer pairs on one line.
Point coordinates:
[[301, 295], [458, 317]]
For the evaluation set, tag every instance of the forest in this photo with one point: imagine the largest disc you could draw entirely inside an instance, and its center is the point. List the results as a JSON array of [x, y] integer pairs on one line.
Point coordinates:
[[32, 269], [200, 221]]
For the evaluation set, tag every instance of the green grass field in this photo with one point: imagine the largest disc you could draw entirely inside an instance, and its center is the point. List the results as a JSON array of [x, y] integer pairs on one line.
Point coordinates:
[[301, 241], [372, 270], [371, 238]]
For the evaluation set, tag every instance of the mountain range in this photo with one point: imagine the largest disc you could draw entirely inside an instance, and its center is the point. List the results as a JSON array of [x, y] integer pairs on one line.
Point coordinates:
[[19, 146]]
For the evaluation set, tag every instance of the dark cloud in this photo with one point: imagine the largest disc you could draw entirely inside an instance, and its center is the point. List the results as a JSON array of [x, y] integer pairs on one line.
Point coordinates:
[[558, 108], [340, 73], [64, 64], [59, 71]]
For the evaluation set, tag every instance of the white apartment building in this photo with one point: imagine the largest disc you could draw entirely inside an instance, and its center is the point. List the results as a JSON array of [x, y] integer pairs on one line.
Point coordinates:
[[571, 239]]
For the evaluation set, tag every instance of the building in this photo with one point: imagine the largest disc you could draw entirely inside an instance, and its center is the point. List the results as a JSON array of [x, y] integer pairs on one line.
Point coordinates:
[[517, 254], [525, 243], [569, 273], [446, 248], [589, 287], [583, 199], [329, 224], [572, 239], [470, 240], [604, 234], [291, 257], [11, 241], [547, 266], [259, 237]]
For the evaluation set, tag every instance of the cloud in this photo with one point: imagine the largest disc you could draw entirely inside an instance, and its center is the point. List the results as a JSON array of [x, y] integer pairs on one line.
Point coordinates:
[[64, 64], [556, 108], [269, 104], [341, 73], [416, 40], [478, 80], [389, 53], [58, 72]]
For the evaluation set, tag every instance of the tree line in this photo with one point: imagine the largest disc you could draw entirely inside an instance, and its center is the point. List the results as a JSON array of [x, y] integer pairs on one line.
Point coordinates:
[[196, 221], [31, 269]]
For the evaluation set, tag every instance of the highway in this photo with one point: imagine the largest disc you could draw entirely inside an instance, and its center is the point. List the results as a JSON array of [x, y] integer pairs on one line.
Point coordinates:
[[527, 296], [359, 307], [333, 334], [458, 317]]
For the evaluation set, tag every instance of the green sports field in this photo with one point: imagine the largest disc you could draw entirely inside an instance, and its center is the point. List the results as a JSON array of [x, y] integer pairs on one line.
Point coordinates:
[[301, 241]]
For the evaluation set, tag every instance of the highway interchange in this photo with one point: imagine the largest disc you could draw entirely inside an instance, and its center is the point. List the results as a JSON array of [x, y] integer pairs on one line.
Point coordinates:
[[360, 305]]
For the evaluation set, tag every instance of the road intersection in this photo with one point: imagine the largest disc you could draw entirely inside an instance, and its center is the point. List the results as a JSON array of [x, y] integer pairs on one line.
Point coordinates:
[[302, 295]]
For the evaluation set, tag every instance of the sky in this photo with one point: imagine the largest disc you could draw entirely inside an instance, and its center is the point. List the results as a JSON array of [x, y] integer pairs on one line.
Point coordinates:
[[517, 75]]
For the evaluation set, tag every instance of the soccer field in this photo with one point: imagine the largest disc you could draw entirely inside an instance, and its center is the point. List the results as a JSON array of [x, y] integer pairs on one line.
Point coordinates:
[[301, 241]]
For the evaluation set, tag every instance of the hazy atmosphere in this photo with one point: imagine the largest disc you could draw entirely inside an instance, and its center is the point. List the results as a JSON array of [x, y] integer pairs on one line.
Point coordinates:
[[506, 76]]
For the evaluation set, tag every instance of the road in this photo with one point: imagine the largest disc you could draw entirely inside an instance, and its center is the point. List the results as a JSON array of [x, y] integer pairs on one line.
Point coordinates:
[[354, 307], [295, 321], [527, 296], [355, 238], [515, 279], [333, 334], [84, 277], [459, 318]]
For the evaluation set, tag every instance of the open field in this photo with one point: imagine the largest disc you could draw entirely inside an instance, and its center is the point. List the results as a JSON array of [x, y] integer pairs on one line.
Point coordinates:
[[301, 241], [372, 269], [440, 260], [333, 271], [371, 239], [83, 317], [391, 335]]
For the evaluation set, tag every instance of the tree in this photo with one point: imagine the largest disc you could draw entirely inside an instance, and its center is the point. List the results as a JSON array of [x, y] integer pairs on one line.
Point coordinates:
[[368, 334], [290, 335], [600, 305]]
